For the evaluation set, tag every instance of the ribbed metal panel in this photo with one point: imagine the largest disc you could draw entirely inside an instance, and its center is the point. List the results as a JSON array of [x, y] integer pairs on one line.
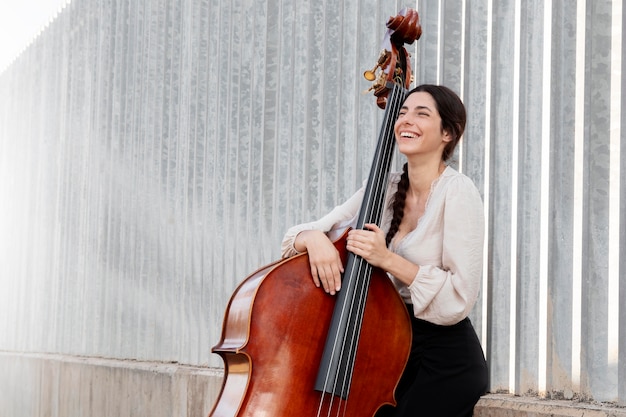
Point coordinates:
[[153, 152]]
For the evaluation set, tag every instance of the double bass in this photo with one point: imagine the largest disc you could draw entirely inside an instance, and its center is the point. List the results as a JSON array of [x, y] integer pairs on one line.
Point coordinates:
[[292, 350]]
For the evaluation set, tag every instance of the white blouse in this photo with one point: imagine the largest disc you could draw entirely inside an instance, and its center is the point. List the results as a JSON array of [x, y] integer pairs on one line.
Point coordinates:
[[447, 244]]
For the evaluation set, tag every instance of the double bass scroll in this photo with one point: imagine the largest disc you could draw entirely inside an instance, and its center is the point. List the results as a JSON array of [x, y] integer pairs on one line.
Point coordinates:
[[393, 65]]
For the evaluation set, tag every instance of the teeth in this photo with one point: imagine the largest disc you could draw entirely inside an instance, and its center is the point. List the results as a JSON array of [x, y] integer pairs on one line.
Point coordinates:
[[407, 135]]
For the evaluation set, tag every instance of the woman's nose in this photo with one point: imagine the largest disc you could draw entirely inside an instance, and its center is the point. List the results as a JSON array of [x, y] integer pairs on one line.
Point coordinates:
[[404, 120]]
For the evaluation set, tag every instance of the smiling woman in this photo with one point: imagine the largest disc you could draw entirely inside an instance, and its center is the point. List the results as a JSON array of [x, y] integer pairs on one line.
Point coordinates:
[[430, 243]]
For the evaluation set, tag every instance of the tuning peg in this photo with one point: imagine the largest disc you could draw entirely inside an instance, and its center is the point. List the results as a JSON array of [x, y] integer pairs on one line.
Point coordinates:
[[370, 75], [368, 90]]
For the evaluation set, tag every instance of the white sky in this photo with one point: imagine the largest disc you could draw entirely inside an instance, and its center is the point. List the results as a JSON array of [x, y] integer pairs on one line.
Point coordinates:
[[20, 22]]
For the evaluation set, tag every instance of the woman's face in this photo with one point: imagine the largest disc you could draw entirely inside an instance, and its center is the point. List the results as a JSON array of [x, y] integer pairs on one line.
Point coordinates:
[[418, 127]]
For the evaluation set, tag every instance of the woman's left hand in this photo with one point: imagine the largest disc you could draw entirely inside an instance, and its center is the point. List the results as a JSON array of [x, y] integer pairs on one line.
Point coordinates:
[[369, 244]]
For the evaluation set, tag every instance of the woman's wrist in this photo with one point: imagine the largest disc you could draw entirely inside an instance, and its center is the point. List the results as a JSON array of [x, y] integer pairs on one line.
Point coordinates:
[[302, 239]]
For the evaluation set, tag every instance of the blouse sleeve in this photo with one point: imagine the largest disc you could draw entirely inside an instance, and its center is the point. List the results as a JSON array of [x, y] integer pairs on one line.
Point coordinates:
[[445, 295], [340, 217]]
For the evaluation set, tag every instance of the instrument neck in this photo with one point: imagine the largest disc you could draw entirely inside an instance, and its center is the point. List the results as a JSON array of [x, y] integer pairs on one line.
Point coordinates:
[[374, 198]]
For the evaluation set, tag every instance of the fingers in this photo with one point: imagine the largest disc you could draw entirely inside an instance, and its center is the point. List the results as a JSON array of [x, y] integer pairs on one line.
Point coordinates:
[[328, 276], [373, 227], [362, 241], [325, 262], [369, 243]]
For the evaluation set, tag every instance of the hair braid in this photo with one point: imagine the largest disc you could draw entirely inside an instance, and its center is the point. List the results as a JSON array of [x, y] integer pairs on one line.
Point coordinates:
[[397, 204]]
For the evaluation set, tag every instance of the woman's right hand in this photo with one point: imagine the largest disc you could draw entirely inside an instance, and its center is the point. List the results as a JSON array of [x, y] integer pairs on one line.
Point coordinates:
[[326, 266]]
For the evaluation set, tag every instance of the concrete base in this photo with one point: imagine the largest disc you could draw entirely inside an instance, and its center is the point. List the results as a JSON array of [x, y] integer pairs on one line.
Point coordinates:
[[36, 385], [500, 405], [33, 385]]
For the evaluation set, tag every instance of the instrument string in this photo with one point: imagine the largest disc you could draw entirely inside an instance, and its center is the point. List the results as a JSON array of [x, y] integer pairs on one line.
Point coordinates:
[[360, 274]]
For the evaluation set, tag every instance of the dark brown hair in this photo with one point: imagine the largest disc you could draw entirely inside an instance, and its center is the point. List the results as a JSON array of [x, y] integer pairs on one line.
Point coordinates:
[[453, 119]]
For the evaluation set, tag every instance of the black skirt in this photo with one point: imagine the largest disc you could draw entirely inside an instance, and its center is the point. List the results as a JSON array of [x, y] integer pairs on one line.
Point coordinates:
[[445, 375]]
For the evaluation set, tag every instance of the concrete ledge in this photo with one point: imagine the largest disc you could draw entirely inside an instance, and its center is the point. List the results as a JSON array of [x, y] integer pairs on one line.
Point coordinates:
[[502, 405], [58, 385], [40, 385]]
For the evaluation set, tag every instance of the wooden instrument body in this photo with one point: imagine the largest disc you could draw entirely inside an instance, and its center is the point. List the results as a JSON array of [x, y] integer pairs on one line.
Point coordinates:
[[273, 336]]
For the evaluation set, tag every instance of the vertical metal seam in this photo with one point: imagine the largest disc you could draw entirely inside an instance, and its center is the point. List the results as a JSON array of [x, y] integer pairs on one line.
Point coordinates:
[[579, 136], [544, 244], [514, 197], [487, 175], [614, 184]]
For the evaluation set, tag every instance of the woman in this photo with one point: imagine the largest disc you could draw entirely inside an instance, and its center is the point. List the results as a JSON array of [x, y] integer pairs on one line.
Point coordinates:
[[430, 243]]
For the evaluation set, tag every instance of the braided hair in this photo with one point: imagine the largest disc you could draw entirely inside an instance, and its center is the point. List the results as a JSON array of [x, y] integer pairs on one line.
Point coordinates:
[[397, 204]]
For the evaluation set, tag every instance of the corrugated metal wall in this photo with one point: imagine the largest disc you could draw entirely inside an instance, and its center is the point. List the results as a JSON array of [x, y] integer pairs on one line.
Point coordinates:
[[153, 152]]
